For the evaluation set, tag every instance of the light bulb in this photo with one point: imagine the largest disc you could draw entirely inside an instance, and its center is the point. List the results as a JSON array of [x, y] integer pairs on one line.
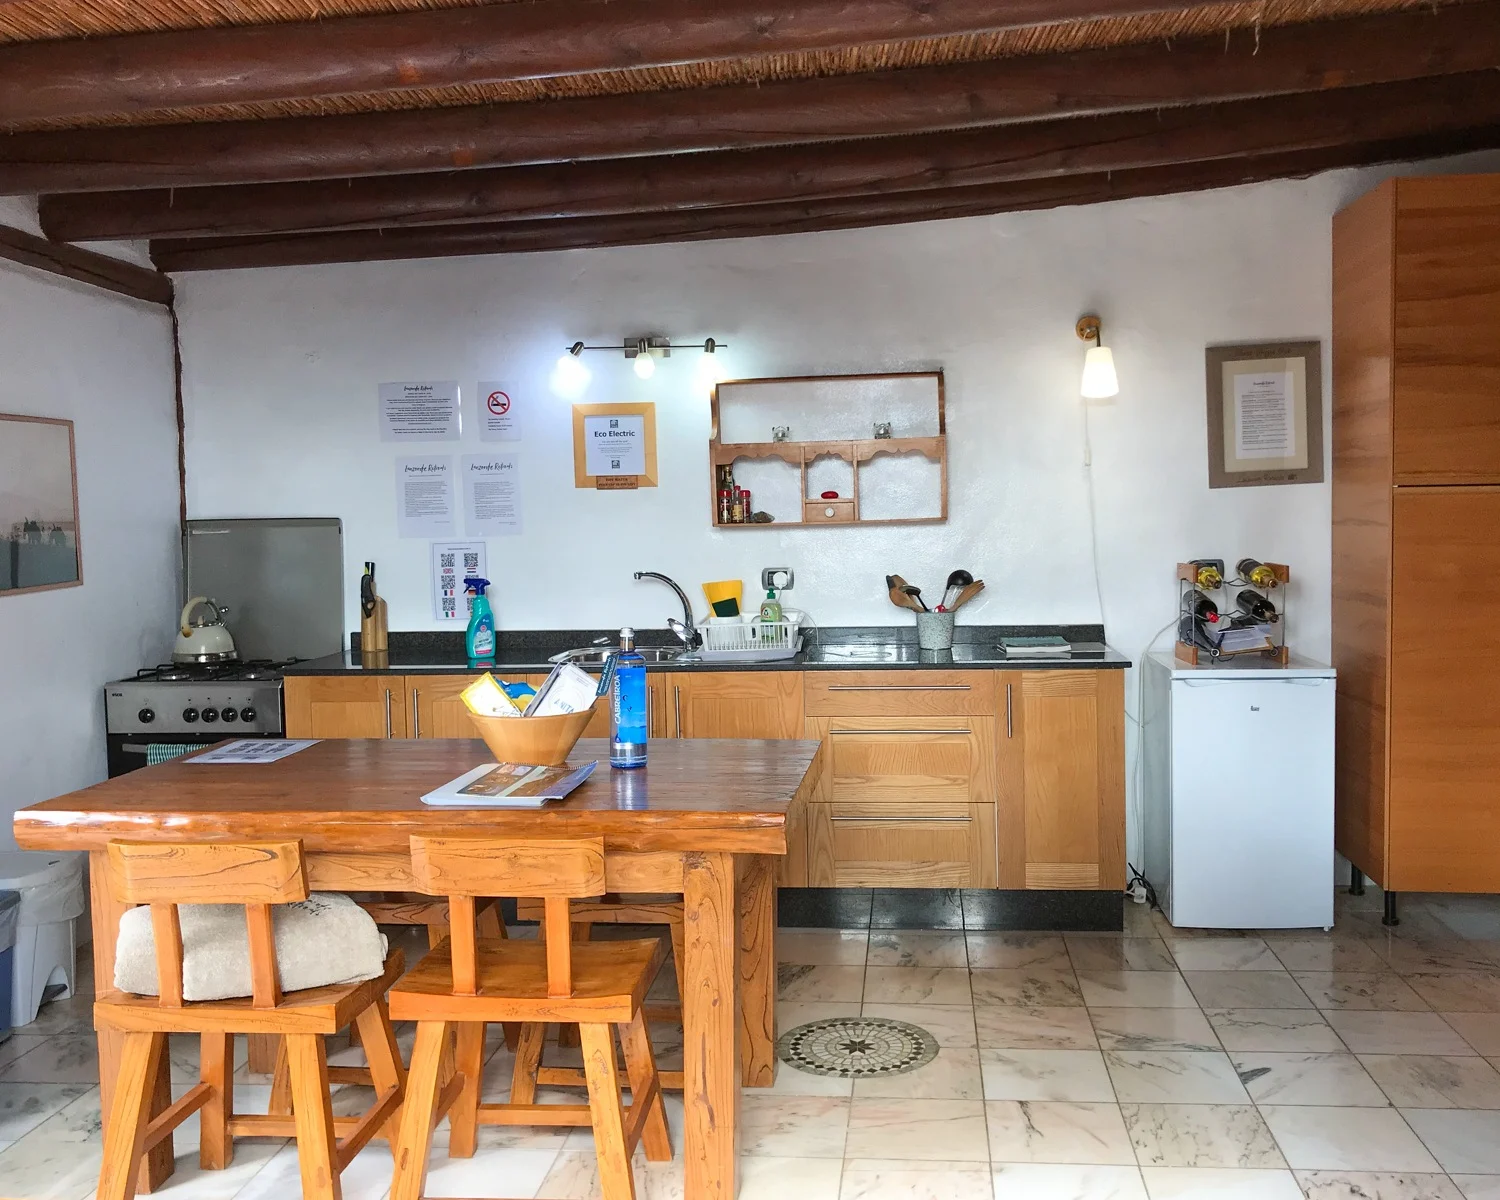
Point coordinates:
[[570, 378], [645, 365], [1099, 379], [710, 370]]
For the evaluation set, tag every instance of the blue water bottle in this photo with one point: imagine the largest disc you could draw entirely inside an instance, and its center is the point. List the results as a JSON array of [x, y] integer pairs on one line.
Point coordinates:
[[628, 730]]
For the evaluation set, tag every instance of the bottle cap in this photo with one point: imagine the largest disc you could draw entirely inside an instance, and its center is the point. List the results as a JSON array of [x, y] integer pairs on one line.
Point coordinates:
[[627, 638], [475, 584]]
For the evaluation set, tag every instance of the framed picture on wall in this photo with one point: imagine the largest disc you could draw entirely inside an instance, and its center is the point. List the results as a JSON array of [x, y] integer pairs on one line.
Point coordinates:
[[38, 505], [614, 446], [1265, 414]]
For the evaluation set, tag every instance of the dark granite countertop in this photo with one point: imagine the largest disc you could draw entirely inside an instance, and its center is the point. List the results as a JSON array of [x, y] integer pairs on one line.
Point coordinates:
[[840, 648]]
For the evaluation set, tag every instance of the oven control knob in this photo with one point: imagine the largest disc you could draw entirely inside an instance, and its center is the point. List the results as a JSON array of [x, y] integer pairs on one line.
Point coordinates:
[[210, 715], [190, 715], [230, 714], [247, 713], [145, 716]]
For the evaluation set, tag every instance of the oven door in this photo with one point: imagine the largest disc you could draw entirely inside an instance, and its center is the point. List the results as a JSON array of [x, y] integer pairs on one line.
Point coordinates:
[[131, 751]]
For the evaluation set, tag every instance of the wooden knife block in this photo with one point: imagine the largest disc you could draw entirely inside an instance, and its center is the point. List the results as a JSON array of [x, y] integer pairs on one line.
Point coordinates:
[[373, 633]]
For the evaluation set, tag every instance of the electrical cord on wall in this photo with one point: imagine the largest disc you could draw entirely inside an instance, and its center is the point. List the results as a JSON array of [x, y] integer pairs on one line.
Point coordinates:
[[1088, 477]]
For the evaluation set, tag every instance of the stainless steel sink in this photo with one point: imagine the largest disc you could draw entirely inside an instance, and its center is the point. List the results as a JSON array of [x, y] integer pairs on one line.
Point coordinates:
[[593, 656]]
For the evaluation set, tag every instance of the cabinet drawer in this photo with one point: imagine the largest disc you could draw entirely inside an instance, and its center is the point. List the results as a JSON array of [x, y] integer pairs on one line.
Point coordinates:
[[898, 693], [911, 761], [956, 849]]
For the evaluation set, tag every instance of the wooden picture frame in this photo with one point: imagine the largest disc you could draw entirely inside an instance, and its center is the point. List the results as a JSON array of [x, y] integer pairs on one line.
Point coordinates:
[[1264, 397], [40, 549], [584, 418]]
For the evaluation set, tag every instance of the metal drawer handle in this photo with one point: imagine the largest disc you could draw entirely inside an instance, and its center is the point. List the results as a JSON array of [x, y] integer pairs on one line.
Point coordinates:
[[911, 820], [899, 687], [387, 712], [868, 732], [416, 713]]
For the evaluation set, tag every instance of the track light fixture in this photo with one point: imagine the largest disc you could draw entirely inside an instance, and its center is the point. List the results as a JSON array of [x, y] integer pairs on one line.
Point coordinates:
[[570, 377]]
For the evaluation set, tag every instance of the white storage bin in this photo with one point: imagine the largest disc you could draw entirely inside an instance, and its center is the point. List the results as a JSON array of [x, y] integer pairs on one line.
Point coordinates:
[[52, 898]]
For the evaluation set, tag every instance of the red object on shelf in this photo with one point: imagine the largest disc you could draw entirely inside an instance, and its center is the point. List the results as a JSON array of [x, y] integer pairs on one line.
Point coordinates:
[[830, 495]]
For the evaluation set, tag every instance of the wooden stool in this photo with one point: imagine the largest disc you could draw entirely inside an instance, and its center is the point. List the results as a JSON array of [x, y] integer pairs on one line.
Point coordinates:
[[467, 982], [257, 876]]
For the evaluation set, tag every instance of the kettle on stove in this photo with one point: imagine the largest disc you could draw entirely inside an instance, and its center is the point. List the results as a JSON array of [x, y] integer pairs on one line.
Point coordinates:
[[204, 640]]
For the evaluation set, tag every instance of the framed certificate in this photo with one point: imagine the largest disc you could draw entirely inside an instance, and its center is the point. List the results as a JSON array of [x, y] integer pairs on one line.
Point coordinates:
[[614, 446], [1265, 414]]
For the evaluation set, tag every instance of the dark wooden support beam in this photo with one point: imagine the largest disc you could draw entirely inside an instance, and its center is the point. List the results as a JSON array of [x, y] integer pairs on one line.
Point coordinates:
[[527, 39], [912, 163], [1384, 48], [204, 254], [84, 266]]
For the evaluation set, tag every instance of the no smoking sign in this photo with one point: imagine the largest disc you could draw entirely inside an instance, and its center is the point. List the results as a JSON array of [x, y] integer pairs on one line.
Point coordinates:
[[499, 420], [498, 403]]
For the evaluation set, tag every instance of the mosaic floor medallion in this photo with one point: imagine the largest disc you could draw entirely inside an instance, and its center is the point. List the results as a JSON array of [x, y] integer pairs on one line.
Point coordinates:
[[857, 1047]]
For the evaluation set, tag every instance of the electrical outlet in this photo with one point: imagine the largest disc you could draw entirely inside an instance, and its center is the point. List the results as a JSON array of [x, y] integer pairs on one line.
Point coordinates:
[[779, 578]]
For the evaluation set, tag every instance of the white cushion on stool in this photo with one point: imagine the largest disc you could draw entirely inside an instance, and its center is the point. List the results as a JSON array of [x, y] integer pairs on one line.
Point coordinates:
[[324, 939]]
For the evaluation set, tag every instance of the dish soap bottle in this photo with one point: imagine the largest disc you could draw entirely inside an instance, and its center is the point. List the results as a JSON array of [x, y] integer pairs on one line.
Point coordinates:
[[627, 726], [479, 639], [770, 608]]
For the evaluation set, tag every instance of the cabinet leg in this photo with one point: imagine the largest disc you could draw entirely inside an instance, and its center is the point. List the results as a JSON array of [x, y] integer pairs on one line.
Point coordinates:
[[1390, 917], [1356, 881]]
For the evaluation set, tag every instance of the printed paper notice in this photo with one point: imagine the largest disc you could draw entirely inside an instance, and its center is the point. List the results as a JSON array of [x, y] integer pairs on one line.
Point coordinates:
[[452, 563], [614, 445], [492, 495], [1265, 415], [499, 421], [254, 750], [424, 497], [419, 412]]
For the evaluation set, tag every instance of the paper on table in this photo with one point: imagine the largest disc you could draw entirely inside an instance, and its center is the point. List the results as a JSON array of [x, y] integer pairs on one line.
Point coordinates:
[[1264, 415], [614, 445], [424, 496], [499, 420], [452, 563], [492, 501], [254, 750], [425, 411]]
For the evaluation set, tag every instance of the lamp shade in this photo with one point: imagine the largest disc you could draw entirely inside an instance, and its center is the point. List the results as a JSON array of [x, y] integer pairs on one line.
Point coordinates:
[[1099, 379], [570, 378]]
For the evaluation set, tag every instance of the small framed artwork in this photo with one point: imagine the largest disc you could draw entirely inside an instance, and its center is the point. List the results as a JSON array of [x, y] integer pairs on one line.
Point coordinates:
[[1265, 414], [614, 446], [38, 505]]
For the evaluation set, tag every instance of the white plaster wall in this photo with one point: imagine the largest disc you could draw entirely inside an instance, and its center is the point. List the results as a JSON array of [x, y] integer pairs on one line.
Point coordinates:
[[105, 362]]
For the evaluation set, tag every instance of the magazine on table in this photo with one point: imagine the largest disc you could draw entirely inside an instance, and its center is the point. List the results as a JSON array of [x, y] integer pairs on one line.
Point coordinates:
[[509, 785]]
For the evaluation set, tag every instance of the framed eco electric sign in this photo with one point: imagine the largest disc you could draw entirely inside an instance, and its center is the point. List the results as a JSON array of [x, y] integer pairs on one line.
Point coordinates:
[[614, 446]]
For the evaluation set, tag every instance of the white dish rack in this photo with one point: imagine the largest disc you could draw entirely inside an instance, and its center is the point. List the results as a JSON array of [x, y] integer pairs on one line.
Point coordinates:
[[750, 641]]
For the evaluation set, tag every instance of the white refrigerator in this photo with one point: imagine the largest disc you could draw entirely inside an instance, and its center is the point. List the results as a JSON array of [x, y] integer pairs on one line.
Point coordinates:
[[1237, 792]]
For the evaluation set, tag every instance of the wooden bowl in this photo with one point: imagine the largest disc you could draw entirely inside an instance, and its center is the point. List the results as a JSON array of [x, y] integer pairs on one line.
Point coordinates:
[[540, 741]]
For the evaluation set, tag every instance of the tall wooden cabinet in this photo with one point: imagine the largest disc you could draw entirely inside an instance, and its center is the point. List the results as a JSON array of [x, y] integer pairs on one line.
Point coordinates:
[[1416, 552]]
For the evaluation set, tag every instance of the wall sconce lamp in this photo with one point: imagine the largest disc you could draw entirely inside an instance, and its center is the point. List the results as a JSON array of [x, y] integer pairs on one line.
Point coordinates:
[[570, 377], [1099, 378]]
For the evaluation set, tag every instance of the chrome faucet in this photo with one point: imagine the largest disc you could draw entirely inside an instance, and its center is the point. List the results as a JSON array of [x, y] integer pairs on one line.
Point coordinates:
[[686, 631]]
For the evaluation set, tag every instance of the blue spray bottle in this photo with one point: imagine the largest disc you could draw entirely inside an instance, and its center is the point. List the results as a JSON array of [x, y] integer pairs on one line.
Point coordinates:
[[479, 640]]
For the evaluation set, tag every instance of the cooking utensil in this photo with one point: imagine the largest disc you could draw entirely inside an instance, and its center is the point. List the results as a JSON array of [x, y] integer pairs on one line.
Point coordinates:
[[203, 640], [956, 583], [966, 595], [916, 594], [902, 600]]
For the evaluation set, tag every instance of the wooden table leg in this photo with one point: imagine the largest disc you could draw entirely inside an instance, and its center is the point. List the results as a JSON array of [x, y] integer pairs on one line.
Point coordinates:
[[105, 912], [262, 1049], [711, 1091], [757, 916]]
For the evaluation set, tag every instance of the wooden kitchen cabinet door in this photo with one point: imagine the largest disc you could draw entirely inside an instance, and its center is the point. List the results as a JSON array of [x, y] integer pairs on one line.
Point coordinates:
[[435, 708], [731, 704], [345, 706], [1061, 775]]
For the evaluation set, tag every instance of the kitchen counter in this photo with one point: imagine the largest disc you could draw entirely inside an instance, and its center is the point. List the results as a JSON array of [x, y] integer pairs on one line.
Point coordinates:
[[835, 648]]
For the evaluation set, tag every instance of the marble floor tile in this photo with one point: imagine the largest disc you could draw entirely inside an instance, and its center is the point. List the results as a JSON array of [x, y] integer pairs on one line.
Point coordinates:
[[1480, 1030], [1375, 1185], [793, 1126], [950, 1024], [1464, 1142], [1153, 1029], [1435, 1081], [1135, 989], [1346, 1139], [1174, 1077], [1045, 1075], [784, 1178], [62, 1058], [1327, 956], [1396, 1032], [24, 1106], [1049, 1181], [912, 948], [1201, 1135], [952, 1075], [1246, 989], [1478, 1187], [1015, 1027], [793, 1082], [1119, 954], [902, 1179], [1219, 1183], [1273, 1029], [1435, 958], [809, 983], [822, 947], [73, 1015], [40, 1168], [1385, 992], [368, 1176], [790, 1014], [1041, 1131], [1458, 993], [522, 1170], [574, 1175], [1017, 950], [941, 1130], [1224, 954], [1032, 987], [1284, 1078], [917, 985]]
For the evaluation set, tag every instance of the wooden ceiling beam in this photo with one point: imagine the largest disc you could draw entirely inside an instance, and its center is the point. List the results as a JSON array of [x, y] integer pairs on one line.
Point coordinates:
[[1384, 48], [490, 43], [912, 163], [512, 237], [84, 266]]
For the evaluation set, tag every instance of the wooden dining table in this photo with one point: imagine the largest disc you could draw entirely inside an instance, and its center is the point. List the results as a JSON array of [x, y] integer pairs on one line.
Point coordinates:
[[706, 819]]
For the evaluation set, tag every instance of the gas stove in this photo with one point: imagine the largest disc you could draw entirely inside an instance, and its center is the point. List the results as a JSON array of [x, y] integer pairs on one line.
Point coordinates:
[[194, 702]]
